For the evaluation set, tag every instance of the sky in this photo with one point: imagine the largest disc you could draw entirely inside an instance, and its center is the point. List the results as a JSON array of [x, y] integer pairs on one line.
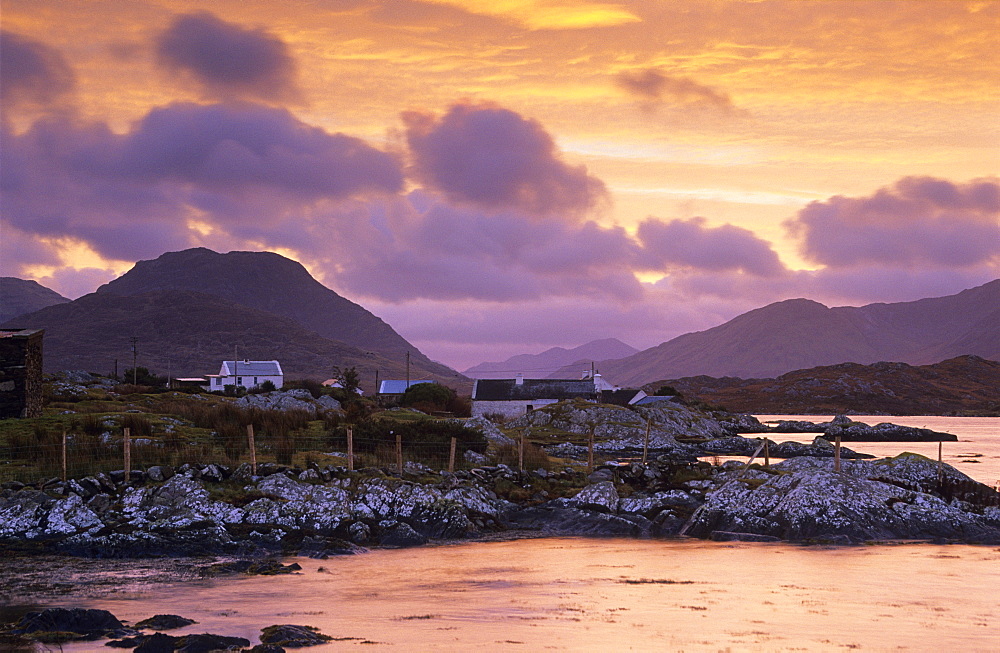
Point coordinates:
[[496, 177]]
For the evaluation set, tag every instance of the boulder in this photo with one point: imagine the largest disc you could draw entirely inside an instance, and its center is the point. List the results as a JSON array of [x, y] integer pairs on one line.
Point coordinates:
[[83, 623], [601, 497], [293, 636], [164, 622]]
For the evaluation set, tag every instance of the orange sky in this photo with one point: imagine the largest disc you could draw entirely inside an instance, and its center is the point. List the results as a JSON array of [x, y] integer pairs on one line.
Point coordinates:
[[740, 113]]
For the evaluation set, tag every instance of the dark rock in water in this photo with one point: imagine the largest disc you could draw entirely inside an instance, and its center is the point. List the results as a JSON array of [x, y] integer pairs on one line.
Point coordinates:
[[206, 643], [886, 432], [156, 643], [401, 534], [251, 567], [266, 648], [165, 622], [819, 447], [726, 536], [81, 622], [293, 636], [324, 547]]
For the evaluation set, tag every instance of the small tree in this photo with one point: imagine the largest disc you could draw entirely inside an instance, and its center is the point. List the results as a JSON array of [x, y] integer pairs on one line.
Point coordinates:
[[349, 380], [428, 397]]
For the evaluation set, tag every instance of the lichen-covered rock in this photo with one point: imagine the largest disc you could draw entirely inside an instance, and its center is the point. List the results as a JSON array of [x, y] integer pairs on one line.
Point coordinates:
[[488, 429], [284, 400], [807, 500], [599, 496]]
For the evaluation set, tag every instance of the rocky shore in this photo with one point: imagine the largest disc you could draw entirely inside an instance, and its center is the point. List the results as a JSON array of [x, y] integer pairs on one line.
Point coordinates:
[[323, 511]]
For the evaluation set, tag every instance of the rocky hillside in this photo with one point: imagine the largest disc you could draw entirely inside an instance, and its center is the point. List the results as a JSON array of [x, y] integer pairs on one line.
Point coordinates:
[[800, 333], [187, 333], [270, 282], [962, 385], [192, 309], [19, 296], [544, 364]]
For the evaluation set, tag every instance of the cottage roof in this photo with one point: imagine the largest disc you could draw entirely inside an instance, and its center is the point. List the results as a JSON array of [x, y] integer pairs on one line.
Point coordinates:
[[251, 368], [621, 397], [654, 399], [398, 387], [511, 390]]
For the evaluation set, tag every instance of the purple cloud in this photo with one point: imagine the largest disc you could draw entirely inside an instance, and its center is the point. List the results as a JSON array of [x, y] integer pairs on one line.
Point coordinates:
[[228, 61], [917, 221], [653, 86], [692, 244], [31, 71], [495, 158], [131, 196]]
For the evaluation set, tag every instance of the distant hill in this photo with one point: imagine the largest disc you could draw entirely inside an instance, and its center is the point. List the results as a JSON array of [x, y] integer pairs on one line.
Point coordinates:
[[544, 364], [188, 334], [962, 385], [270, 282], [20, 296], [800, 333]]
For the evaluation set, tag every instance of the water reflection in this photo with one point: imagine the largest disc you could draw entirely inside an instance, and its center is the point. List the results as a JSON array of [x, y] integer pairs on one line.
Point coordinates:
[[609, 594]]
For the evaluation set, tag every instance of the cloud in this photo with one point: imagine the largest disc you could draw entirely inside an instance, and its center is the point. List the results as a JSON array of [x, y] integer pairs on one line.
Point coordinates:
[[653, 87], [135, 195], [32, 72], [916, 222], [228, 61], [496, 159], [692, 244]]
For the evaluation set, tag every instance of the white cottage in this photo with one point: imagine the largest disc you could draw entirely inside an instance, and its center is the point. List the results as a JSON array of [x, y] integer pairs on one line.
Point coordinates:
[[246, 373]]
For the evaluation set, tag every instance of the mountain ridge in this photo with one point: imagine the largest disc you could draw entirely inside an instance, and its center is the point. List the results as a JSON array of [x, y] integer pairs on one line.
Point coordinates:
[[800, 333], [21, 296], [552, 358]]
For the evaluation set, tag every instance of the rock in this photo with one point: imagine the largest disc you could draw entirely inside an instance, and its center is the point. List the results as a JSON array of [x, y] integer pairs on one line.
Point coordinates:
[[602, 474], [733, 445], [293, 636], [283, 400], [207, 643], [886, 432], [401, 534], [326, 402], [82, 623], [487, 428], [559, 519], [159, 473], [601, 497], [156, 643], [726, 536], [165, 622]]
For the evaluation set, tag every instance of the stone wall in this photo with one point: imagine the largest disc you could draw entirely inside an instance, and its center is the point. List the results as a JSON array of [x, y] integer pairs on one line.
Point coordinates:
[[511, 408], [21, 373]]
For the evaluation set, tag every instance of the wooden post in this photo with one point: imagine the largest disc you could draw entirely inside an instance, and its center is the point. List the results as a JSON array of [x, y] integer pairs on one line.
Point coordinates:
[[940, 462], [451, 456], [350, 448], [64, 456], [590, 450], [520, 453], [399, 453], [767, 454], [253, 450], [836, 455], [645, 442], [128, 454]]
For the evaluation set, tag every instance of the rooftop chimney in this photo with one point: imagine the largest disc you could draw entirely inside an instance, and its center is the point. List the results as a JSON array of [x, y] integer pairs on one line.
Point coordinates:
[[519, 380]]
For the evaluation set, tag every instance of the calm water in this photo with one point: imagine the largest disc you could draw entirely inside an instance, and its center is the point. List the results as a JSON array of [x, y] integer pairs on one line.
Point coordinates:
[[977, 452], [572, 594]]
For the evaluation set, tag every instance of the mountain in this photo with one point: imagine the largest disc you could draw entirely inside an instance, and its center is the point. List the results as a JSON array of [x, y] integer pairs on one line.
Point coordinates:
[[186, 333], [961, 385], [19, 296], [266, 281], [543, 364], [800, 333]]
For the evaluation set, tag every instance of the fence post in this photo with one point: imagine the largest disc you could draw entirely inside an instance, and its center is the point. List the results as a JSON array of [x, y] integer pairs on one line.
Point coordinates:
[[645, 442], [767, 454], [64, 456], [940, 469], [520, 453], [399, 453], [590, 450], [128, 454], [350, 448], [451, 457], [253, 450], [836, 456]]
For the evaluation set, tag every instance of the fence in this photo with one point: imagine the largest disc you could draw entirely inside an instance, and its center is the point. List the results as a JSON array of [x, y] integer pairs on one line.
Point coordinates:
[[48, 454]]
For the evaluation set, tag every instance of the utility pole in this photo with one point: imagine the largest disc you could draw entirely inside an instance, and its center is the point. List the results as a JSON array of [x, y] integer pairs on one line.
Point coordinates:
[[407, 370], [135, 355], [376, 384]]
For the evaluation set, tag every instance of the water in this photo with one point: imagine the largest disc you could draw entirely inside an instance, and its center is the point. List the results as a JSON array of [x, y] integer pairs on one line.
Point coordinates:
[[574, 594], [977, 452]]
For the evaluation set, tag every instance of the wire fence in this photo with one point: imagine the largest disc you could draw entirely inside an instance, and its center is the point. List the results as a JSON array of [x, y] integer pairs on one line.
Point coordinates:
[[45, 454]]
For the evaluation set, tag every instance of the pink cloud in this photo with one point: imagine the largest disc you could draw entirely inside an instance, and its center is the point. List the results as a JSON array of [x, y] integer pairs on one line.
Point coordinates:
[[653, 86], [496, 159], [31, 71], [228, 61], [916, 222], [691, 243]]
